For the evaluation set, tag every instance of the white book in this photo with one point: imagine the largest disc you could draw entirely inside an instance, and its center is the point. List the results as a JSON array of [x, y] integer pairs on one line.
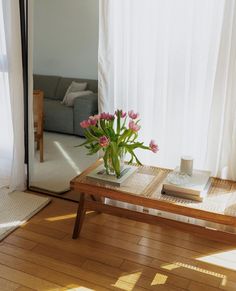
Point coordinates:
[[195, 188], [100, 174]]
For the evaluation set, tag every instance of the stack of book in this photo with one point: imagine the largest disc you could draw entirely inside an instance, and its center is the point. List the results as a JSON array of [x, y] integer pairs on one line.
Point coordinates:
[[195, 187]]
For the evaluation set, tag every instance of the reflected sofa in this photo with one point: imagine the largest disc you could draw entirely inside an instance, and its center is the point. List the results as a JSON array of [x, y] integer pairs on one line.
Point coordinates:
[[59, 117]]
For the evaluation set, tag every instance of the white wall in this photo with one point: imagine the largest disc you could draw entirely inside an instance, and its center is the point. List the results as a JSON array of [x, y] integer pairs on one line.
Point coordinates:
[[66, 37]]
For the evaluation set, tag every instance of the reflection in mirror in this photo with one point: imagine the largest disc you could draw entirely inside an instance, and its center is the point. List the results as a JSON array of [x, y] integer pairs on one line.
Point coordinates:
[[65, 40]]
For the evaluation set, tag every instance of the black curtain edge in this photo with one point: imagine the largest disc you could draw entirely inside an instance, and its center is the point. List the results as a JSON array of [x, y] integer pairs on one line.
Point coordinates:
[[23, 8]]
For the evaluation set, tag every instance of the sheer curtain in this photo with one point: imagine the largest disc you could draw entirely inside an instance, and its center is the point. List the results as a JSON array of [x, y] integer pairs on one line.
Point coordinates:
[[221, 151], [12, 171], [174, 62]]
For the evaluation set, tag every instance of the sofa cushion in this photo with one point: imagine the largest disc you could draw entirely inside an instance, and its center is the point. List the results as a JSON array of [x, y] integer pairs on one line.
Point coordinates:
[[66, 82], [58, 117], [48, 84], [75, 87], [70, 97]]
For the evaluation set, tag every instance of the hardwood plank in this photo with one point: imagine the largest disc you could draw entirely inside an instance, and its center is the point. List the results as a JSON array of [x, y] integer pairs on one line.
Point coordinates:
[[19, 241], [6, 285], [195, 286], [62, 255], [23, 288], [116, 234], [54, 233], [175, 247], [73, 245], [27, 280]]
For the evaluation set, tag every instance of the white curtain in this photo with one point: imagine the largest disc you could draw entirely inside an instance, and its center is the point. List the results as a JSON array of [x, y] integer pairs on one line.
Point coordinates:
[[221, 152], [12, 169], [174, 62]]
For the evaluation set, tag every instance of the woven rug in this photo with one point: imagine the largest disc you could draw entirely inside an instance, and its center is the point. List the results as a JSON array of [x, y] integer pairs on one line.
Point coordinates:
[[16, 208]]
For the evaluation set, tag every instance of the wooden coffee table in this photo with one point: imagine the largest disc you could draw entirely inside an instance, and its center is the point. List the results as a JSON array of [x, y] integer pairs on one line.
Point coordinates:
[[143, 188]]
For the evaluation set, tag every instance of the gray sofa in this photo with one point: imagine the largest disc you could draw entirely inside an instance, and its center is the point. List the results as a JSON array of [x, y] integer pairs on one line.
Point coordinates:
[[59, 117]]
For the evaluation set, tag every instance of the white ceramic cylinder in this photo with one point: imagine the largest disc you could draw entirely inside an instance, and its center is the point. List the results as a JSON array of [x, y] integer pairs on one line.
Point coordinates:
[[186, 165]]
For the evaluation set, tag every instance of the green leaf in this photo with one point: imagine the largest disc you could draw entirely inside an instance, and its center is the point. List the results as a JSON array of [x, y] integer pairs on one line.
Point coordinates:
[[103, 126], [89, 136], [83, 144], [115, 158], [126, 134], [96, 131], [118, 122], [105, 158]]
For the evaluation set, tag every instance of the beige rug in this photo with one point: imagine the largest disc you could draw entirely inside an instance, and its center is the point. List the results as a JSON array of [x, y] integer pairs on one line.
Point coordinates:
[[16, 208], [62, 162]]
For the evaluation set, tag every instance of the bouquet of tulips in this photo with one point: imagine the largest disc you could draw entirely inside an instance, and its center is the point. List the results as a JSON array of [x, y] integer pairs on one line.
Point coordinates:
[[109, 133]]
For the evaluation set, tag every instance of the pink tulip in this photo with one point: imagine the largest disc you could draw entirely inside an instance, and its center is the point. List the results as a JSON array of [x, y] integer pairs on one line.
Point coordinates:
[[107, 116], [122, 115], [133, 126], [104, 141], [92, 120], [97, 116], [153, 146], [110, 117], [85, 124], [104, 115], [133, 115]]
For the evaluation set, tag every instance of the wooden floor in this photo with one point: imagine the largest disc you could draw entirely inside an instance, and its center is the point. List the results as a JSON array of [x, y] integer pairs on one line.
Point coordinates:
[[112, 254]]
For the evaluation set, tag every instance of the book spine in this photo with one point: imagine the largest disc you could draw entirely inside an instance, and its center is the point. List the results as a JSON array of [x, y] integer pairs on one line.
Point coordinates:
[[183, 196]]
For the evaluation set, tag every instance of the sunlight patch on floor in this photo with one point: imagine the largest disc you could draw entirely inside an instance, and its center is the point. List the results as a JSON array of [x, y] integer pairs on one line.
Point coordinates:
[[225, 259], [72, 288], [197, 269], [68, 158], [64, 217], [170, 267], [12, 223], [78, 289], [127, 282], [61, 217], [159, 279]]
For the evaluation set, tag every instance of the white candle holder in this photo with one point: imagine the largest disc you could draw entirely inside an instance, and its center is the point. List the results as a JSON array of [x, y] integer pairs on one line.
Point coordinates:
[[186, 165]]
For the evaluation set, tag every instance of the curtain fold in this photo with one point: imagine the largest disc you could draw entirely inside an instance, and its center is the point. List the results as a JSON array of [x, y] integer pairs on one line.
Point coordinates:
[[174, 62], [221, 150], [12, 169]]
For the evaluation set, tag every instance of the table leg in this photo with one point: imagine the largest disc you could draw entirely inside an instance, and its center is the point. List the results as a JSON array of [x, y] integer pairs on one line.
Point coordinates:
[[79, 217], [98, 199]]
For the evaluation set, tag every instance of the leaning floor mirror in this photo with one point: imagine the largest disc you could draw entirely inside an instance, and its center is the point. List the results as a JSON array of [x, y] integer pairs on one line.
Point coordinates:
[[63, 59]]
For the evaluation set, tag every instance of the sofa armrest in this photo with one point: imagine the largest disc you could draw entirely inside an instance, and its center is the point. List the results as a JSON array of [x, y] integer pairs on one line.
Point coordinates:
[[84, 106]]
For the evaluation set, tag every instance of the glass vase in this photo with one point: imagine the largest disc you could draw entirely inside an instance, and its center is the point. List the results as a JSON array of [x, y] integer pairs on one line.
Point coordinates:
[[110, 170]]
